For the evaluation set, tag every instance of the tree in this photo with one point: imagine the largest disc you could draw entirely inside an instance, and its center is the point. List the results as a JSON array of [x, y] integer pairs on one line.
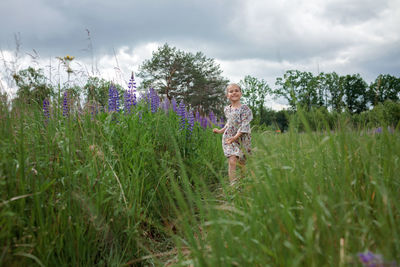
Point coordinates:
[[193, 78], [96, 89], [385, 87], [32, 86], [355, 93], [298, 88], [254, 93], [331, 85]]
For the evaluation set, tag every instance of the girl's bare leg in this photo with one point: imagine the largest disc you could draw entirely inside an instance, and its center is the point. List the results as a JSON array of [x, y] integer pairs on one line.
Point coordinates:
[[232, 168]]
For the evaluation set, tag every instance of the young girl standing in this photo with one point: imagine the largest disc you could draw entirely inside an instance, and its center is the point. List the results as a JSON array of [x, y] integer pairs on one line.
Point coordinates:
[[236, 139]]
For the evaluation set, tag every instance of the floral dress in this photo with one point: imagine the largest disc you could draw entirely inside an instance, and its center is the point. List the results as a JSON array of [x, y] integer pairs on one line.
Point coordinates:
[[238, 120]]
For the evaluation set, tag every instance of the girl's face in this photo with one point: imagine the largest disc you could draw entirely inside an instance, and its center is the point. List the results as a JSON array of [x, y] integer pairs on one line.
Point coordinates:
[[233, 93]]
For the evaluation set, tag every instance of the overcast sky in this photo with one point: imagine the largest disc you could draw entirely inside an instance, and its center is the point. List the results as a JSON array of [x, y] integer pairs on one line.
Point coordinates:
[[255, 37]]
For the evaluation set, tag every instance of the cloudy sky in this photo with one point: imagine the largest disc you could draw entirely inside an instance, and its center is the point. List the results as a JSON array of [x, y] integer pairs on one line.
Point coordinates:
[[254, 37]]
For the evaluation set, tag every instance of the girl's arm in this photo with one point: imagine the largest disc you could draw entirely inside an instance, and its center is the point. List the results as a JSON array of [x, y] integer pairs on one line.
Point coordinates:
[[219, 131], [234, 138]]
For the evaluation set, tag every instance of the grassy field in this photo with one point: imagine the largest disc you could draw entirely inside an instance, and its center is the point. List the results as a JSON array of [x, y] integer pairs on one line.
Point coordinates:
[[115, 190]]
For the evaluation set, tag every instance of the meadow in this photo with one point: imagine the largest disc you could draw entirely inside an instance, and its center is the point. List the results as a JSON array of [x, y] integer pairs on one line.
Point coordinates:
[[146, 187]]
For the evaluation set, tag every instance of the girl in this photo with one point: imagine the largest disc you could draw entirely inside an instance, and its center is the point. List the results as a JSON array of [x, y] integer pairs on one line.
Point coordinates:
[[236, 139]]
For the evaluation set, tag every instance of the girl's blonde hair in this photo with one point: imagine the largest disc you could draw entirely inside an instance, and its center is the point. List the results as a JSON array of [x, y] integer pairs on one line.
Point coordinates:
[[233, 84]]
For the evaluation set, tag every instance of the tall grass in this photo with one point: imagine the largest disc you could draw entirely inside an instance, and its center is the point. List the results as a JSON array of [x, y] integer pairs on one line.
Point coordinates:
[[309, 199], [84, 190], [115, 189]]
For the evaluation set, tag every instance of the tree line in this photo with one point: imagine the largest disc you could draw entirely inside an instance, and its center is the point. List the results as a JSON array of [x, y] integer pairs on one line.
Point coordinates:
[[330, 93], [197, 81]]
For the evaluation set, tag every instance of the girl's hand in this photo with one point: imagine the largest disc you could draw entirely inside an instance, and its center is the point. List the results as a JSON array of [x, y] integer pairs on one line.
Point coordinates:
[[230, 140], [215, 130]]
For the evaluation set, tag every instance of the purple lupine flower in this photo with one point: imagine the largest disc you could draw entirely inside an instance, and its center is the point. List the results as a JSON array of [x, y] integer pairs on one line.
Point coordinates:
[[132, 83], [113, 99], [133, 100], [370, 259], [207, 122], [212, 117], [111, 102], [198, 116], [190, 121], [203, 122], [130, 95], [46, 109], [155, 100], [182, 115], [129, 101], [147, 98], [173, 103], [221, 122], [165, 105], [65, 104], [127, 107], [116, 99], [378, 130]]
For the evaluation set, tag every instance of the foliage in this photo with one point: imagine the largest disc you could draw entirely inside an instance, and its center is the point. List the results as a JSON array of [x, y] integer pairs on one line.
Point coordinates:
[[311, 199], [320, 119], [254, 92], [86, 189], [355, 89], [332, 88], [96, 90], [193, 78], [383, 114], [385, 87], [33, 86], [298, 88]]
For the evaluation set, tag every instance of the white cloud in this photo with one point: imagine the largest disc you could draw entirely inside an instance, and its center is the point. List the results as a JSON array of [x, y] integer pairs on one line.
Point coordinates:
[[119, 67]]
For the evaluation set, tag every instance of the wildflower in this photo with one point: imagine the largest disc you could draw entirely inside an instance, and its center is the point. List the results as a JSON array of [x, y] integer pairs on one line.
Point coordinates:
[[116, 99], [165, 105], [221, 122], [370, 259], [129, 101], [378, 130], [65, 104], [203, 122], [113, 99], [190, 121], [130, 95], [155, 100], [46, 111], [212, 117], [66, 62], [198, 116], [69, 58], [181, 113], [133, 99], [173, 103], [132, 83], [127, 106]]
